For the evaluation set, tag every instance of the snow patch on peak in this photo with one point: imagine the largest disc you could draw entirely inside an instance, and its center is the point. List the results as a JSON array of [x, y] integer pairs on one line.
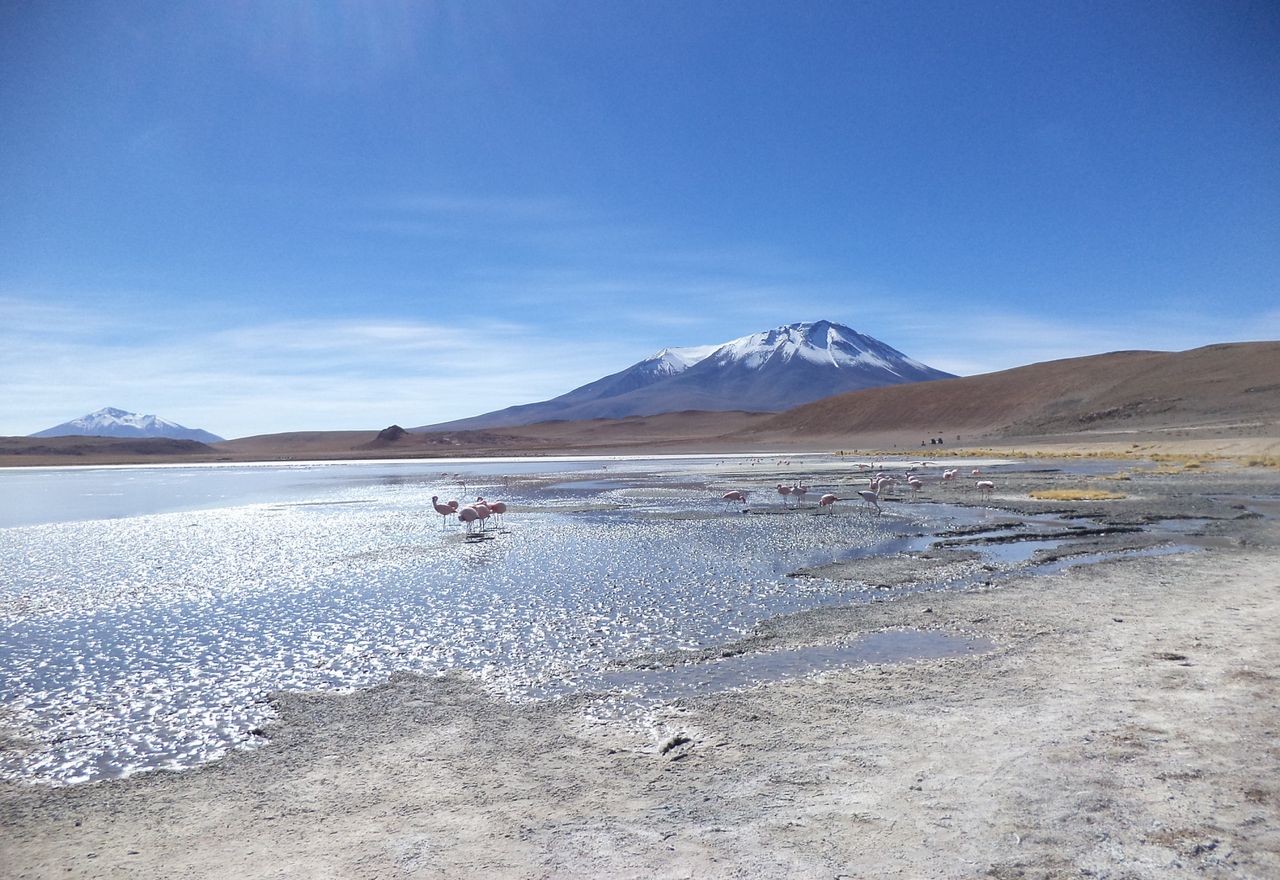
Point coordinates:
[[111, 416], [822, 343], [677, 360], [819, 342]]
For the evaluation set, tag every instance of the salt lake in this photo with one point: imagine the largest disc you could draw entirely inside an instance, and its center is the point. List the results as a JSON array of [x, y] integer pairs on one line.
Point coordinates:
[[147, 613]]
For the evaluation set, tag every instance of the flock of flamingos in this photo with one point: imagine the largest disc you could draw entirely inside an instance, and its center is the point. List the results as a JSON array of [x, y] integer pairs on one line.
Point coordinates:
[[475, 516], [878, 485]]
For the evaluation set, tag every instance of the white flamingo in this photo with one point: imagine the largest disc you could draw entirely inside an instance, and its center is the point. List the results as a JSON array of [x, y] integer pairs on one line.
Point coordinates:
[[872, 498]]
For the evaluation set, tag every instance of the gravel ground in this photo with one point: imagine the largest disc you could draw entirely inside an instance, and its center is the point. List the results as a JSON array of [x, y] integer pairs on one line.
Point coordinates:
[[1125, 725]]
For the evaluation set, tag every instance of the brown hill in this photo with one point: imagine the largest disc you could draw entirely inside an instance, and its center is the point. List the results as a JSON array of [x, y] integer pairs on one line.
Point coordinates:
[[1224, 388], [1227, 394], [34, 451], [686, 431]]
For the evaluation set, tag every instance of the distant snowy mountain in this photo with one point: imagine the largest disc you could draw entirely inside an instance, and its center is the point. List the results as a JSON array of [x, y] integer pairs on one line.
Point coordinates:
[[112, 422], [765, 372]]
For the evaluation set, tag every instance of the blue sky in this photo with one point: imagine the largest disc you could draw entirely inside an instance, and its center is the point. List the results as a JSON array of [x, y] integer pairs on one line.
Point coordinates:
[[257, 217]]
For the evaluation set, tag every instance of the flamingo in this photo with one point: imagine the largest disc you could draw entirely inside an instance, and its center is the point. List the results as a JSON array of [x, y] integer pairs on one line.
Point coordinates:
[[498, 508], [798, 491], [443, 509], [872, 498], [468, 517], [976, 472], [916, 484], [736, 495], [827, 500], [482, 510], [985, 488], [785, 492], [949, 475]]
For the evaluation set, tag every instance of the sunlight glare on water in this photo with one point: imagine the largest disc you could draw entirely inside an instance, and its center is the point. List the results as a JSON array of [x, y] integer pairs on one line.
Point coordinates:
[[153, 640]]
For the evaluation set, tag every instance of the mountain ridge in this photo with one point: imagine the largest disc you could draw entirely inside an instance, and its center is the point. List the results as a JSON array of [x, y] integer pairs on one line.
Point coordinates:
[[112, 421], [768, 371]]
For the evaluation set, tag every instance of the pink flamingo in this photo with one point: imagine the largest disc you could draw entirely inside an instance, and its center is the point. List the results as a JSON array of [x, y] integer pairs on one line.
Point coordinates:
[[985, 488], [827, 500], [498, 508], [468, 517], [976, 472], [736, 495], [482, 510], [443, 509], [785, 492], [916, 484], [799, 491], [872, 498], [949, 476]]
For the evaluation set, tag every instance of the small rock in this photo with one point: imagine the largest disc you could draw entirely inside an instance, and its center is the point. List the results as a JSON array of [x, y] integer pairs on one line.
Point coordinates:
[[675, 742]]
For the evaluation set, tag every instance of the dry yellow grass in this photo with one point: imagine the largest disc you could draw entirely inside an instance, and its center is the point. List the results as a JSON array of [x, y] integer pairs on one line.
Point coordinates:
[[1186, 461], [1075, 495]]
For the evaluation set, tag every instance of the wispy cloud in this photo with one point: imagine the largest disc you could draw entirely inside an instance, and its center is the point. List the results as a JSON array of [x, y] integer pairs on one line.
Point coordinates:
[[58, 362], [589, 295], [289, 375]]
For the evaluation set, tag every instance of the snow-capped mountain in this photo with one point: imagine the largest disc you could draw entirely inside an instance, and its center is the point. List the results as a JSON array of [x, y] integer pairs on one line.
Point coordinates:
[[112, 422], [765, 372]]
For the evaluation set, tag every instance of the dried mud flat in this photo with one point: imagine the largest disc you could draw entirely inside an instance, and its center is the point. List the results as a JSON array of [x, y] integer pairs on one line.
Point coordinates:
[[1126, 725]]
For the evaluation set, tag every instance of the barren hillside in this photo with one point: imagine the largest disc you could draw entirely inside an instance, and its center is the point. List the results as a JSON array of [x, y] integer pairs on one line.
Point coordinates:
[[1220, 386], [1224, 397]]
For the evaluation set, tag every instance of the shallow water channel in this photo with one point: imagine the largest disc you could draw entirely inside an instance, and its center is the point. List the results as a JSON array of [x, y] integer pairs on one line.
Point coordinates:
[[149, 633]]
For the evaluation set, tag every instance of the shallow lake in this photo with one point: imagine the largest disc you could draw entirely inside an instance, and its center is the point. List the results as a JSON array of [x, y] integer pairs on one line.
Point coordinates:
[[146, 613]]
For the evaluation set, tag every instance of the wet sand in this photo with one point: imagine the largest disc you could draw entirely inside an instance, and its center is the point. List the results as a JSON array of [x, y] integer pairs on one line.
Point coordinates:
[[1127, 724]]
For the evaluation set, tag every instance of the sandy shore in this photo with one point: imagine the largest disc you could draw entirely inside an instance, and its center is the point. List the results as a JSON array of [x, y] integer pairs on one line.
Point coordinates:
[[1126, 725]]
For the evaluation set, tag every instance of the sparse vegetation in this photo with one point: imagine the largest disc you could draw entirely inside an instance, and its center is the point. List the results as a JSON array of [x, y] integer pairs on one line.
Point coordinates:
[[1185, 461], [1076, 495]]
